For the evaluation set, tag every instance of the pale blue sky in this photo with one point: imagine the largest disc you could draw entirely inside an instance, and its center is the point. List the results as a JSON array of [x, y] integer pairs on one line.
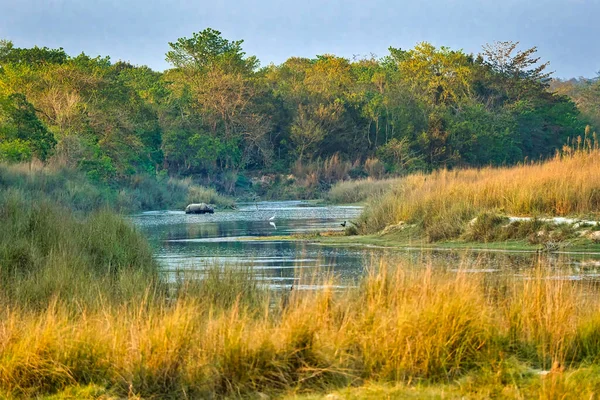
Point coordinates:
[[565, 31]]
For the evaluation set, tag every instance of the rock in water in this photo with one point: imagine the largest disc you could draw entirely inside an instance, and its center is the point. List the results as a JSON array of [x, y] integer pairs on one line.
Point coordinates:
[[199, 208]]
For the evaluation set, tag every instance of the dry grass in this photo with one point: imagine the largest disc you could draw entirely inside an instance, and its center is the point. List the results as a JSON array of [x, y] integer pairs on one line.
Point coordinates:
[[349, 192], [399, 325], [84, 313], [442, 202], [321, 171]]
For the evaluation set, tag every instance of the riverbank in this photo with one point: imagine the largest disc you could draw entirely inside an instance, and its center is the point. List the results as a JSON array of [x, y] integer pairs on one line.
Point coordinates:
[[73, 189], [417, 242], [520, 208], [443, 204]]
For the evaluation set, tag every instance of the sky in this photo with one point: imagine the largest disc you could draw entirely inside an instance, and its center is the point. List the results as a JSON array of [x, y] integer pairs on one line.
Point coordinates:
[[565, 32]]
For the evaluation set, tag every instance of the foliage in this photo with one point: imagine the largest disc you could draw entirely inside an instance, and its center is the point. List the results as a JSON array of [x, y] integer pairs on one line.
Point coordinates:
[[21, 132], [217, 114], [208, 49]]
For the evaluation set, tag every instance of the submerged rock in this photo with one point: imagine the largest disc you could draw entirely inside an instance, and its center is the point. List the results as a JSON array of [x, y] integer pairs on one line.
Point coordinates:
[[199, 208]]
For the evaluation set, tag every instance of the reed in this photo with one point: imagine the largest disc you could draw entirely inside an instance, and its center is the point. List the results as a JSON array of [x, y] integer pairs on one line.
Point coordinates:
[[442, 202]]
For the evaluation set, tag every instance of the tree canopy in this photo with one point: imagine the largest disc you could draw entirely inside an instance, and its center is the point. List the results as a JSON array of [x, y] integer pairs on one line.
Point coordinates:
[[216, 112]]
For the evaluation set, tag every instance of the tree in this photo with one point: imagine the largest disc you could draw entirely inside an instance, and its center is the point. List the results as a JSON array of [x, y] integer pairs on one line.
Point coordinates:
[[36, 55], [221, 89], [516, 74], [20, 126], [399, 157], [311, 125], [503, 58], [206, 50], [440, 76]]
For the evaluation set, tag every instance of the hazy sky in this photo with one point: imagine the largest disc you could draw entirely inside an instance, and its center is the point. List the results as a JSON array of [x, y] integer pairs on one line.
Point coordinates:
[[566, 32]]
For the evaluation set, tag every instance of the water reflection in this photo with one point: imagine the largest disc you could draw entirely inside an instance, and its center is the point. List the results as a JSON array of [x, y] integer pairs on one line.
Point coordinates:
[[192, 242]]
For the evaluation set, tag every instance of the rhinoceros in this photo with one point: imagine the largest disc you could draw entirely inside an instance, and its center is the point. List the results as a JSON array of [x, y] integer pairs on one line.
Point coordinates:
[[199, 208]]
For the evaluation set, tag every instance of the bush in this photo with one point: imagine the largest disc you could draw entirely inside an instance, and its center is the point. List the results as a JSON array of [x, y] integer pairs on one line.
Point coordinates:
[[485, 227]]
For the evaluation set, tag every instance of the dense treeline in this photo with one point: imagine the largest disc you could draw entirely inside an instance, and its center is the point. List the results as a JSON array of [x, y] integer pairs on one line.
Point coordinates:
[[216, 114]]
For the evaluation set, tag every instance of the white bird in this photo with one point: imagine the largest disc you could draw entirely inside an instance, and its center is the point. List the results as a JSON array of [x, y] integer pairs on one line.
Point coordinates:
[[272, 218], [273, 224]]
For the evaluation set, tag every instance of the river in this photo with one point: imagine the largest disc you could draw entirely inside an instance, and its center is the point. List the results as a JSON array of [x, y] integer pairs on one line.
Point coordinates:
[[230, 237]]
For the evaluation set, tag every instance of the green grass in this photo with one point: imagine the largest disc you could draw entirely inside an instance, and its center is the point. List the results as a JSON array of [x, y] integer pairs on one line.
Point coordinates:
[[412, 238], [74, 190], [148, 193], [46, 252]]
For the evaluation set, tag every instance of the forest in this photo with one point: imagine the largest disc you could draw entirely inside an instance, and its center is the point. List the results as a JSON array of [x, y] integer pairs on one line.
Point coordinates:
[[220, 118]]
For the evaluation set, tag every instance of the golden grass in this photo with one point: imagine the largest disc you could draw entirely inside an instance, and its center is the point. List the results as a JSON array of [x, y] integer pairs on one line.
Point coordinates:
[[443, 201], [399, 325], [360, 190]]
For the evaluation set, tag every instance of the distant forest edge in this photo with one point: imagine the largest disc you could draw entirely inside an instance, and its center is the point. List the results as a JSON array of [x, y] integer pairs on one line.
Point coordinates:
[[219, 118]]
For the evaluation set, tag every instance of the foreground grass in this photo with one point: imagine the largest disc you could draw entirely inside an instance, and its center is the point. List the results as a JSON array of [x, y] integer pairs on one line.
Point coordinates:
[[46, 253], [442, 204], [400, 332]]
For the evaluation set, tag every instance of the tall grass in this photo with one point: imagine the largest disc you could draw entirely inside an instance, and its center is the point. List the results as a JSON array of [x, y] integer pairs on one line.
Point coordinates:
[[83, 305], [147, 193], [73, 189], [444, 201], [321, 171], [64, 186], [398, 325], [46, 252], [360, 190]]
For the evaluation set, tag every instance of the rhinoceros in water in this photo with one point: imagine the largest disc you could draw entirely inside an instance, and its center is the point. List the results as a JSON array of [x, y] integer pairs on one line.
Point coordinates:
[[200, 208]]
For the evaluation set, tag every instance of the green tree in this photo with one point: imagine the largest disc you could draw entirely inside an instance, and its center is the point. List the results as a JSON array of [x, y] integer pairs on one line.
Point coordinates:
[[20, 126], [36, 55], [208, 49], [440, 76]]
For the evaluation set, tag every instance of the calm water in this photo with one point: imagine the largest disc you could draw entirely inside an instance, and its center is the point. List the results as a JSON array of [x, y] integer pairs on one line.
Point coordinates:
[[191, 242]]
